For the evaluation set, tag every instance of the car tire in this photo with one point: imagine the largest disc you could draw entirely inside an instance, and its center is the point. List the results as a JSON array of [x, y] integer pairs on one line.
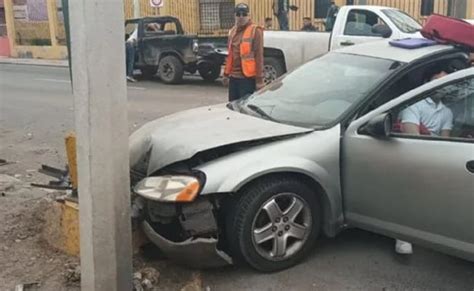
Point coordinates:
[[210, 73], [149, 72], [272, 69], [171, 70], [249, 222]]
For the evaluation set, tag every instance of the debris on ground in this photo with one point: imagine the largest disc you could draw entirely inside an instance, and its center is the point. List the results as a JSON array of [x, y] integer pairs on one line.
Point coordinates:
[[8, 183], [195, 284], [72, 274], [146, 279], [27, 286]]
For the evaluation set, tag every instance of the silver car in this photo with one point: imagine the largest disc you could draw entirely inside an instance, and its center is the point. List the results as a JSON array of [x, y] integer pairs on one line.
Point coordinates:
[[319, 150]]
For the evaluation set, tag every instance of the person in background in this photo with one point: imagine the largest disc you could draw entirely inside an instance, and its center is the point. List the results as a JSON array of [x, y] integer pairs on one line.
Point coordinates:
[[130, 50], [281, 9], [331, 16], [268, 23], [308, 25], [244, 64]]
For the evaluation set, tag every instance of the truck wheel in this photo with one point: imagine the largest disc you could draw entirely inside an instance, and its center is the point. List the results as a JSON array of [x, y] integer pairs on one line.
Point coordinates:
[[149, 72], [272, 69], [171, 70], [275, 224], [210, 72]]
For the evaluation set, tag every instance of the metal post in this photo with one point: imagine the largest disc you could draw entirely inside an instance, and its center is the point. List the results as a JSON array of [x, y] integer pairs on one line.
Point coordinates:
[[100, 107]]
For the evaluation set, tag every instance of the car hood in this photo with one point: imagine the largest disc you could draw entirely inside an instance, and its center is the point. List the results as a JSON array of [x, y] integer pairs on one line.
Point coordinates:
[[180, 136]]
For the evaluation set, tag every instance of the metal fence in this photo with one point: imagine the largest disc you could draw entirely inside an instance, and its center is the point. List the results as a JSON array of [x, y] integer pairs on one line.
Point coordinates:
[[216, 14]]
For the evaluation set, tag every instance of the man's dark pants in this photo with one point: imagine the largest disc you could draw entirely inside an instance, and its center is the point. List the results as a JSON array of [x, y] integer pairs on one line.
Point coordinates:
[[130, 57], [283, 21], [239, 88]]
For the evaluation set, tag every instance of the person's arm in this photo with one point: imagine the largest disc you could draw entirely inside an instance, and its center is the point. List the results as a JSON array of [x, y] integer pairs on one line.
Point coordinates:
[[259, 58], [410, 121], [410, 128]]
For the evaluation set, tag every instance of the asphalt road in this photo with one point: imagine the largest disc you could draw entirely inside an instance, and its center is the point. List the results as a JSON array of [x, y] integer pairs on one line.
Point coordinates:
[[36, 111]]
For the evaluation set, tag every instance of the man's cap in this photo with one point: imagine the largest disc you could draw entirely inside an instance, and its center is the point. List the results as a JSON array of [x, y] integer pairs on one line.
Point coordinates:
[[242, 8]]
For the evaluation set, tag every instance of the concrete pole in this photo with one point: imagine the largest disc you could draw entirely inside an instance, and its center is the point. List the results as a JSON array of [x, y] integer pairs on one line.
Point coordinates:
[[100, 108]]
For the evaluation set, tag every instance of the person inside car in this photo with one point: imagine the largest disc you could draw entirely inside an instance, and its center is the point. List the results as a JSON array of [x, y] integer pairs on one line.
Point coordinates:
[[429, 116]]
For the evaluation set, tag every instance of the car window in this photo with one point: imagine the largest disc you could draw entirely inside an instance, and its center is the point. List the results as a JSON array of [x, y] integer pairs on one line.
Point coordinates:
[[403, 21], [361, 22], [129, 29], [447, 113], [319, 92]]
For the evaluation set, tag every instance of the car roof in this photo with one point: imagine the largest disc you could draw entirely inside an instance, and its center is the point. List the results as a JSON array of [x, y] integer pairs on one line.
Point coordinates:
[[383, 50], [372, 7], [153, 18]]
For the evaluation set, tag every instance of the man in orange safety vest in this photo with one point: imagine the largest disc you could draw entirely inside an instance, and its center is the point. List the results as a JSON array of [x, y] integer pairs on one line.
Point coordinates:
[[244, 65]]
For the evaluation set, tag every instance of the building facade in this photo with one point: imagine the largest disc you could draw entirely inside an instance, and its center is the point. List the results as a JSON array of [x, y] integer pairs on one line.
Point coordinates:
[[35, 28]]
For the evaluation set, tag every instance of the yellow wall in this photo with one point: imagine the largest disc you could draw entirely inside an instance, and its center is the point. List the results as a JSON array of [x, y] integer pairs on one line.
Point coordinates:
[[188, 13], [470, 9]]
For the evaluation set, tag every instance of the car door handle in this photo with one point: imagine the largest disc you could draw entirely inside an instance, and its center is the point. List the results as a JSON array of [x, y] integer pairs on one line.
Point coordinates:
[[347, 43], [470, 166]]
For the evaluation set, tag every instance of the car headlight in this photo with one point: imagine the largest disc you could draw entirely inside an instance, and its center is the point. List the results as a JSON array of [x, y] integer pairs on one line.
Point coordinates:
[[195, 46], [169, 188]]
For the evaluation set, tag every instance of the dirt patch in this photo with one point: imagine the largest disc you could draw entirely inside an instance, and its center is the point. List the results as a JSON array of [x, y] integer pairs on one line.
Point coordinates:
[[26, 257]]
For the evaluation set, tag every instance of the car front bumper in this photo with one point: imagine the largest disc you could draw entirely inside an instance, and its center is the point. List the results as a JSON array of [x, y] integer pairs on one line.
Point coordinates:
[[194, 252]]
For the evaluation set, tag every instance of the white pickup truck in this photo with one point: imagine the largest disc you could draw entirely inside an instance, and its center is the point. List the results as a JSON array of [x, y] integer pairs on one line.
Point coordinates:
[[285, 50]]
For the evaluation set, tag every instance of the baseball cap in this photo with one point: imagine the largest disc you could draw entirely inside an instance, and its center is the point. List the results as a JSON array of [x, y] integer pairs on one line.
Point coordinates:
[[241, 8]]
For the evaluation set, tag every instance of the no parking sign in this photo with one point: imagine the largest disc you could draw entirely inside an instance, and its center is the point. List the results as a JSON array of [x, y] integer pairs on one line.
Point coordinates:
[[156, 3]]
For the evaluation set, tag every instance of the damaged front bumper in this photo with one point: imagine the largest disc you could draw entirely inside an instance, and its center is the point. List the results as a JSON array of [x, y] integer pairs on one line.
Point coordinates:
[[186, 233], [194, 252]]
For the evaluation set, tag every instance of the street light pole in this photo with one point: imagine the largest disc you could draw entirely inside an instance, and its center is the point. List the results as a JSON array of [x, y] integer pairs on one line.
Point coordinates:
[[100, 110]]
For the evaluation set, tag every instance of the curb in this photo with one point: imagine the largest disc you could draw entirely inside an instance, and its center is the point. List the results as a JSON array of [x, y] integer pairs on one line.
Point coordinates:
[[35, 62]]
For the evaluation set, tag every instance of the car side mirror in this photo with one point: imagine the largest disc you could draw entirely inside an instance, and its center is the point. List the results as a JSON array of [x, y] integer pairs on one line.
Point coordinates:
[[379, 126], [382, 30]]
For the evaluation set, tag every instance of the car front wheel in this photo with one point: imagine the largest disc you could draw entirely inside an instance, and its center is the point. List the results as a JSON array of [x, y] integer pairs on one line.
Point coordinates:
[[275, 224]]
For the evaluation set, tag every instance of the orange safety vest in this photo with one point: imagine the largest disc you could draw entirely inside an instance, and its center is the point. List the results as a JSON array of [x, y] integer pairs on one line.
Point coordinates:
[[247, 55]]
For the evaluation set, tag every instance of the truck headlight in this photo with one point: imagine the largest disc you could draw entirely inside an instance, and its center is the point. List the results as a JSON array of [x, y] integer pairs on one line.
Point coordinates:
[[195, 46], [169, 188]]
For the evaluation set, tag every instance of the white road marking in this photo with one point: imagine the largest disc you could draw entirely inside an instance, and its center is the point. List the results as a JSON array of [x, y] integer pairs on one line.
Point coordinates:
[[54, 80]]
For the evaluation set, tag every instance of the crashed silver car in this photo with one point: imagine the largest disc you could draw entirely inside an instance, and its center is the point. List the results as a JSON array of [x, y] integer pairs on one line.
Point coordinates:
[[260, 179]]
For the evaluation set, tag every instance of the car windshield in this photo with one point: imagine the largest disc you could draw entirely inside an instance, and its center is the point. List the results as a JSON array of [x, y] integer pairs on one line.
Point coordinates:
[[319, 92], [403, 21]]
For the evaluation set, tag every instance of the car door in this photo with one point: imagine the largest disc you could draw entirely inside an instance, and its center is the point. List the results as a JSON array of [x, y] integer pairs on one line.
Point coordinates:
[[415, 187], [358, 28]]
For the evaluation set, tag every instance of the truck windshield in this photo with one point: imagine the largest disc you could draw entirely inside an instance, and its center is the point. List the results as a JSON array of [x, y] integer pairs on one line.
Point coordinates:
[[318, 93], [403, 21]]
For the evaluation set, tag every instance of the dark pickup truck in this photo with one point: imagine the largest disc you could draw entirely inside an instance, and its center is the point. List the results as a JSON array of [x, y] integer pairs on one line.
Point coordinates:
[[164, 49]]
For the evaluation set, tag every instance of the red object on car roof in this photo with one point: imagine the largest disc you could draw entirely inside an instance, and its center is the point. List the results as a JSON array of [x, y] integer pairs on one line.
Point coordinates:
[[448, 30]]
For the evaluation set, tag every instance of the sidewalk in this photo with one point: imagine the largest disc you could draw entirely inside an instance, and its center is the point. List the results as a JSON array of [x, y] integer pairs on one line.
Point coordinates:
[[34, 62]]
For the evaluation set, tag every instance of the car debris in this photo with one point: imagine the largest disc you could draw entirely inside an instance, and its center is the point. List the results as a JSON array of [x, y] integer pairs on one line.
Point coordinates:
[[27, 286], [146, 279], [62, 183]]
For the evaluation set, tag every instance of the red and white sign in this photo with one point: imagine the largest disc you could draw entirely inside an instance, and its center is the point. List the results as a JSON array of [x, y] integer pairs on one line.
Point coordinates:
[[156, 3]]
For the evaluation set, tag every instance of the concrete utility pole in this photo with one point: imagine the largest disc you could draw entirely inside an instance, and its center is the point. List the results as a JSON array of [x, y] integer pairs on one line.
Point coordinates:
[[100, 107]]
